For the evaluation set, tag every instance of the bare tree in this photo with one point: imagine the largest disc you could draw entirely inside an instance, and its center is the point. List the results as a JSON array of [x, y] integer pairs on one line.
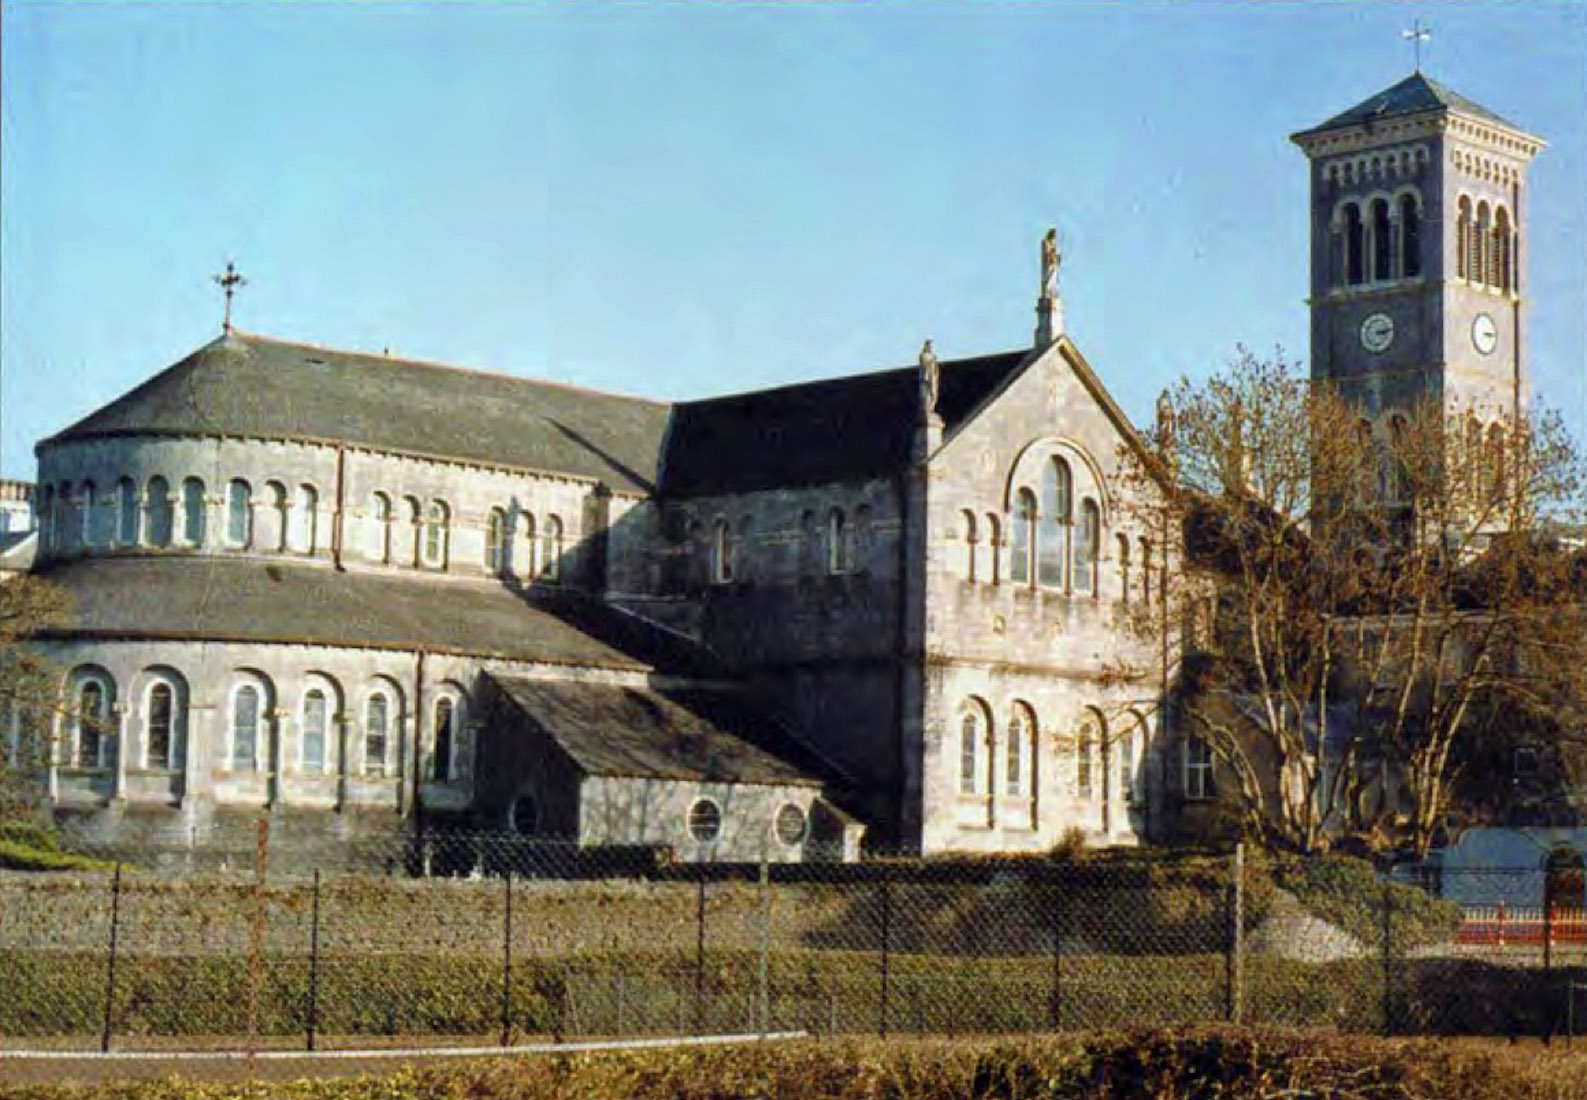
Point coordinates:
[[29, 687], [1351, 592]]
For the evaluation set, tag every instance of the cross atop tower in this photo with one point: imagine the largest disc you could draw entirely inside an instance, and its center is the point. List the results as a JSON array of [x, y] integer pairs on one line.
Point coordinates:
[[229, 282], [1416, 36]]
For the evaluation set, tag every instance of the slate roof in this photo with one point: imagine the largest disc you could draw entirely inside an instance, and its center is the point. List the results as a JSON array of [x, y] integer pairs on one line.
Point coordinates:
[[610, 730], [181, 597], [1413, 95], [253, 386], [814, 433]]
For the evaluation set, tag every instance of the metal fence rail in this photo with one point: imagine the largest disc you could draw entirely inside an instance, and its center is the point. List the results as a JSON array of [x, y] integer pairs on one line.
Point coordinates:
[[488, 939]]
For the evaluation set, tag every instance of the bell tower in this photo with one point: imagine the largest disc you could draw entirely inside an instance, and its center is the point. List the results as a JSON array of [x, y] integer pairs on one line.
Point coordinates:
[[1418, 233]]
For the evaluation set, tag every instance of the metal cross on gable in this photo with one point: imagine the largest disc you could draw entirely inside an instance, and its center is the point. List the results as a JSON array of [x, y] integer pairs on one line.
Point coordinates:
[[229, 282], [1416, 36]]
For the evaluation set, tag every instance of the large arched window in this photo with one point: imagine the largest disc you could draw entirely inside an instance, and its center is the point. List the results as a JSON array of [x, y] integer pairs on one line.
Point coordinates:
[[1087, 738], [157, 511], [377, 726], [1382, 242], [193, 518], [967, 524], [437, 533], [1355, 241], [551, 549], [126, 512], [496, 541], [379, 544], [1090, 538], [315, 718], [239, 513], [1410, 237], [1052, 549], [306, 520], [1021, 567], [246, 708], [276, 495], [445, 712]]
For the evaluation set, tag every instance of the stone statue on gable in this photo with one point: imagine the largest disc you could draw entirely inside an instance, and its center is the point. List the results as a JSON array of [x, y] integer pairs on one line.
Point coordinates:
[[1050, 259], [930, 380]]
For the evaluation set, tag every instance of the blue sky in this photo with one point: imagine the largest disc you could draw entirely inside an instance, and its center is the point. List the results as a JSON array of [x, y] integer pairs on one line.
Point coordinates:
[[684, 201]]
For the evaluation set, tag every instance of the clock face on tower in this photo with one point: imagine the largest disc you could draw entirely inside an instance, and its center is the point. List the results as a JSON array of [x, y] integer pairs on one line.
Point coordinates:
[[1377, 332], [1484, 334]]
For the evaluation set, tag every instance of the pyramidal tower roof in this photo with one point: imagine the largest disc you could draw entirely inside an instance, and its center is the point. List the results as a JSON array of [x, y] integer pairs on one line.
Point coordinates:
[[1414, 95]]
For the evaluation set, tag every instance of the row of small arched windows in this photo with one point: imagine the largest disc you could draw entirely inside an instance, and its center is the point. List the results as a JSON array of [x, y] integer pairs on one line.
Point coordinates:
[[1008, 764], [1379, 242], [90, 733], [1485, 245]]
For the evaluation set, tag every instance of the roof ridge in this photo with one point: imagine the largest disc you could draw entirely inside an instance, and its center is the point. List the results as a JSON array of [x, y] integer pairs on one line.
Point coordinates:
[[880, 372], [435, 364]]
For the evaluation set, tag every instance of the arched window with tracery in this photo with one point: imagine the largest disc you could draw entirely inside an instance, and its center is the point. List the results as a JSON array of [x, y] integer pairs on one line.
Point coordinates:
[[1410, 237], [1382, 242], [162, 744], [1056, 523], [239, 513], [194, 520], [967, 526], [1021, 566], [378, 546], [91, 734], [126, 512], [496, 541], [157, 511], [1090, 538], [437, 534], [551, 549]]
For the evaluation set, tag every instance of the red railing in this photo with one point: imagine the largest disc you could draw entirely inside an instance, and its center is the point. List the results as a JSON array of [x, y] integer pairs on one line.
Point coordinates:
[[1521, 925]]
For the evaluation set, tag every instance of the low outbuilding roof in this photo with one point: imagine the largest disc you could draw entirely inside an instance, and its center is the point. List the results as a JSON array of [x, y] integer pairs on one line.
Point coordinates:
[[624, 732]]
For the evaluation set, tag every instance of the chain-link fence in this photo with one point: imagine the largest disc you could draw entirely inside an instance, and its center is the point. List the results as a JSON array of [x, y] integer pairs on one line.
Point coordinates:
[[468, 939]]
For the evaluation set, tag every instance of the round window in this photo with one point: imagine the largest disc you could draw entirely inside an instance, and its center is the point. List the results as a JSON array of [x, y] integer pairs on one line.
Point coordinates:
[[791, 824], [705, 820], [525, 815]]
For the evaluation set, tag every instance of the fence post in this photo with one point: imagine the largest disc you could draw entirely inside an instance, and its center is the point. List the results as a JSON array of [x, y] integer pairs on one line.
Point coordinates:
[[314, 962], [699, 955], [1055, 995], [506, 962], [1388, 959], [256, 935], [1235, 962], [887, 920], [765, 944], [110, 976]]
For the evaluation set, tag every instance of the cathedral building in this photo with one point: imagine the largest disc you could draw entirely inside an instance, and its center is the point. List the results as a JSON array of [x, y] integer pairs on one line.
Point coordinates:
[[360, 593]]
